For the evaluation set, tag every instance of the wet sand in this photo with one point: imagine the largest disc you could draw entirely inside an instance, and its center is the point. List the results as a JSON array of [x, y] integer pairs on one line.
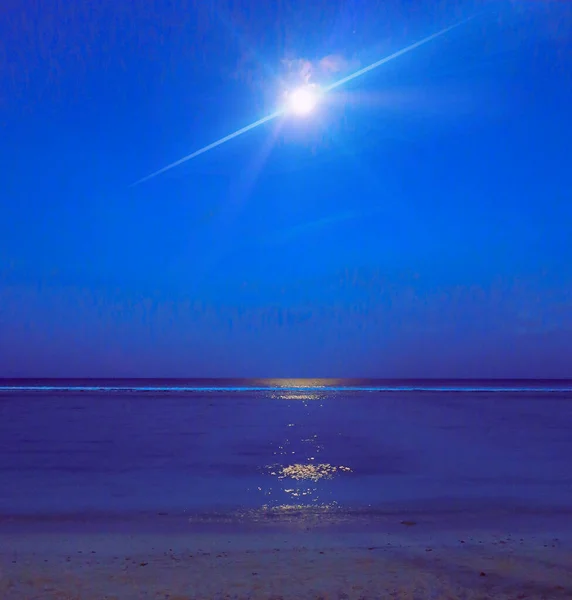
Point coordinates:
[[415, 556]]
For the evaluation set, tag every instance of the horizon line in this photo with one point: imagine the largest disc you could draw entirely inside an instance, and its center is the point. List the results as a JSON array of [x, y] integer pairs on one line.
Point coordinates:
[[324, 379], [286, 385]]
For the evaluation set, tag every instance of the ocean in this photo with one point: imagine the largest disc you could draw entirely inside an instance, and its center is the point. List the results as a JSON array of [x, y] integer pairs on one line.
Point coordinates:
[[270, 448]]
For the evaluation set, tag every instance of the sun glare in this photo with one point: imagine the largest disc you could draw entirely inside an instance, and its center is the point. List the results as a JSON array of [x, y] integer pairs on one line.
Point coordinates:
[[302, 100]]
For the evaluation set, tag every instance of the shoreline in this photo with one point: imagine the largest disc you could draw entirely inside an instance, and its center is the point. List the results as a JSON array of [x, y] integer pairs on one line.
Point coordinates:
[[439, 514]]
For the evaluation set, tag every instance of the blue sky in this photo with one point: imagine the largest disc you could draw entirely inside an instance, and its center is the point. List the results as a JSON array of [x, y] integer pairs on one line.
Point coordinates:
[[416, 224]]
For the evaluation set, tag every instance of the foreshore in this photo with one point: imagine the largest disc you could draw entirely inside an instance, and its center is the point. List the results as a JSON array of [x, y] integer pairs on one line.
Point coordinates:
[[503, 554]]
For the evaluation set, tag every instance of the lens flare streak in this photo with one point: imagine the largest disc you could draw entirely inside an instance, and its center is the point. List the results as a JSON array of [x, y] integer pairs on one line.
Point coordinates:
[[282, 111], [397, 54], [226, 138]]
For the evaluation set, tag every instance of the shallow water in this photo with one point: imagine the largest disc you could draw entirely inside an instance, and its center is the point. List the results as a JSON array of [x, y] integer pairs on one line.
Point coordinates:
[[111, 451]]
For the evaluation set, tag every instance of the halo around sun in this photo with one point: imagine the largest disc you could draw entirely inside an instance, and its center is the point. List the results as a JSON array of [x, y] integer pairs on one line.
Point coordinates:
[[302, 100]]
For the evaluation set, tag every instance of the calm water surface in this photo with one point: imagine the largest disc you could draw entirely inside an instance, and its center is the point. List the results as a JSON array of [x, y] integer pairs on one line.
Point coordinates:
[[65, 450]]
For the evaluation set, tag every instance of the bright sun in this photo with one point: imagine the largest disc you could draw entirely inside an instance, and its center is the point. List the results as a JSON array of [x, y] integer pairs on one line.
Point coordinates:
[[302, 100]]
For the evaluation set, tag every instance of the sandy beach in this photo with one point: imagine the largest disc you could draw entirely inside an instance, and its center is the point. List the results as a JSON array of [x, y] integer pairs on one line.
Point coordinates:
[[448, 556]]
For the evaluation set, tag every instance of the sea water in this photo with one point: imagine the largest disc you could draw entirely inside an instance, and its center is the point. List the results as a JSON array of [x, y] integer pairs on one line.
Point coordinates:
[[194, 447]]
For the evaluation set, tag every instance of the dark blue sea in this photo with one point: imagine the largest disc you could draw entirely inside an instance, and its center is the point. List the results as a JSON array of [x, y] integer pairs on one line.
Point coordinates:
[[198, 446]]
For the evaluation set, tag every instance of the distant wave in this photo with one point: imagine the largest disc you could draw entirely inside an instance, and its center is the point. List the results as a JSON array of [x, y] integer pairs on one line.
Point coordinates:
[[313, 388]]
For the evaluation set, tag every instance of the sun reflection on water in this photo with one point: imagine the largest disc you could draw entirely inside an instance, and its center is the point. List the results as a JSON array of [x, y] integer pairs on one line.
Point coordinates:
[[313, 472], [297, 395], [298, 478], [299, 481], [300, 474], [305, 385]]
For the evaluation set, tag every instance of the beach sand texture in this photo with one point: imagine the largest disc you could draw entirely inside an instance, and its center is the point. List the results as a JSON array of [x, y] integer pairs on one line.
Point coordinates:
[[478, 565]]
